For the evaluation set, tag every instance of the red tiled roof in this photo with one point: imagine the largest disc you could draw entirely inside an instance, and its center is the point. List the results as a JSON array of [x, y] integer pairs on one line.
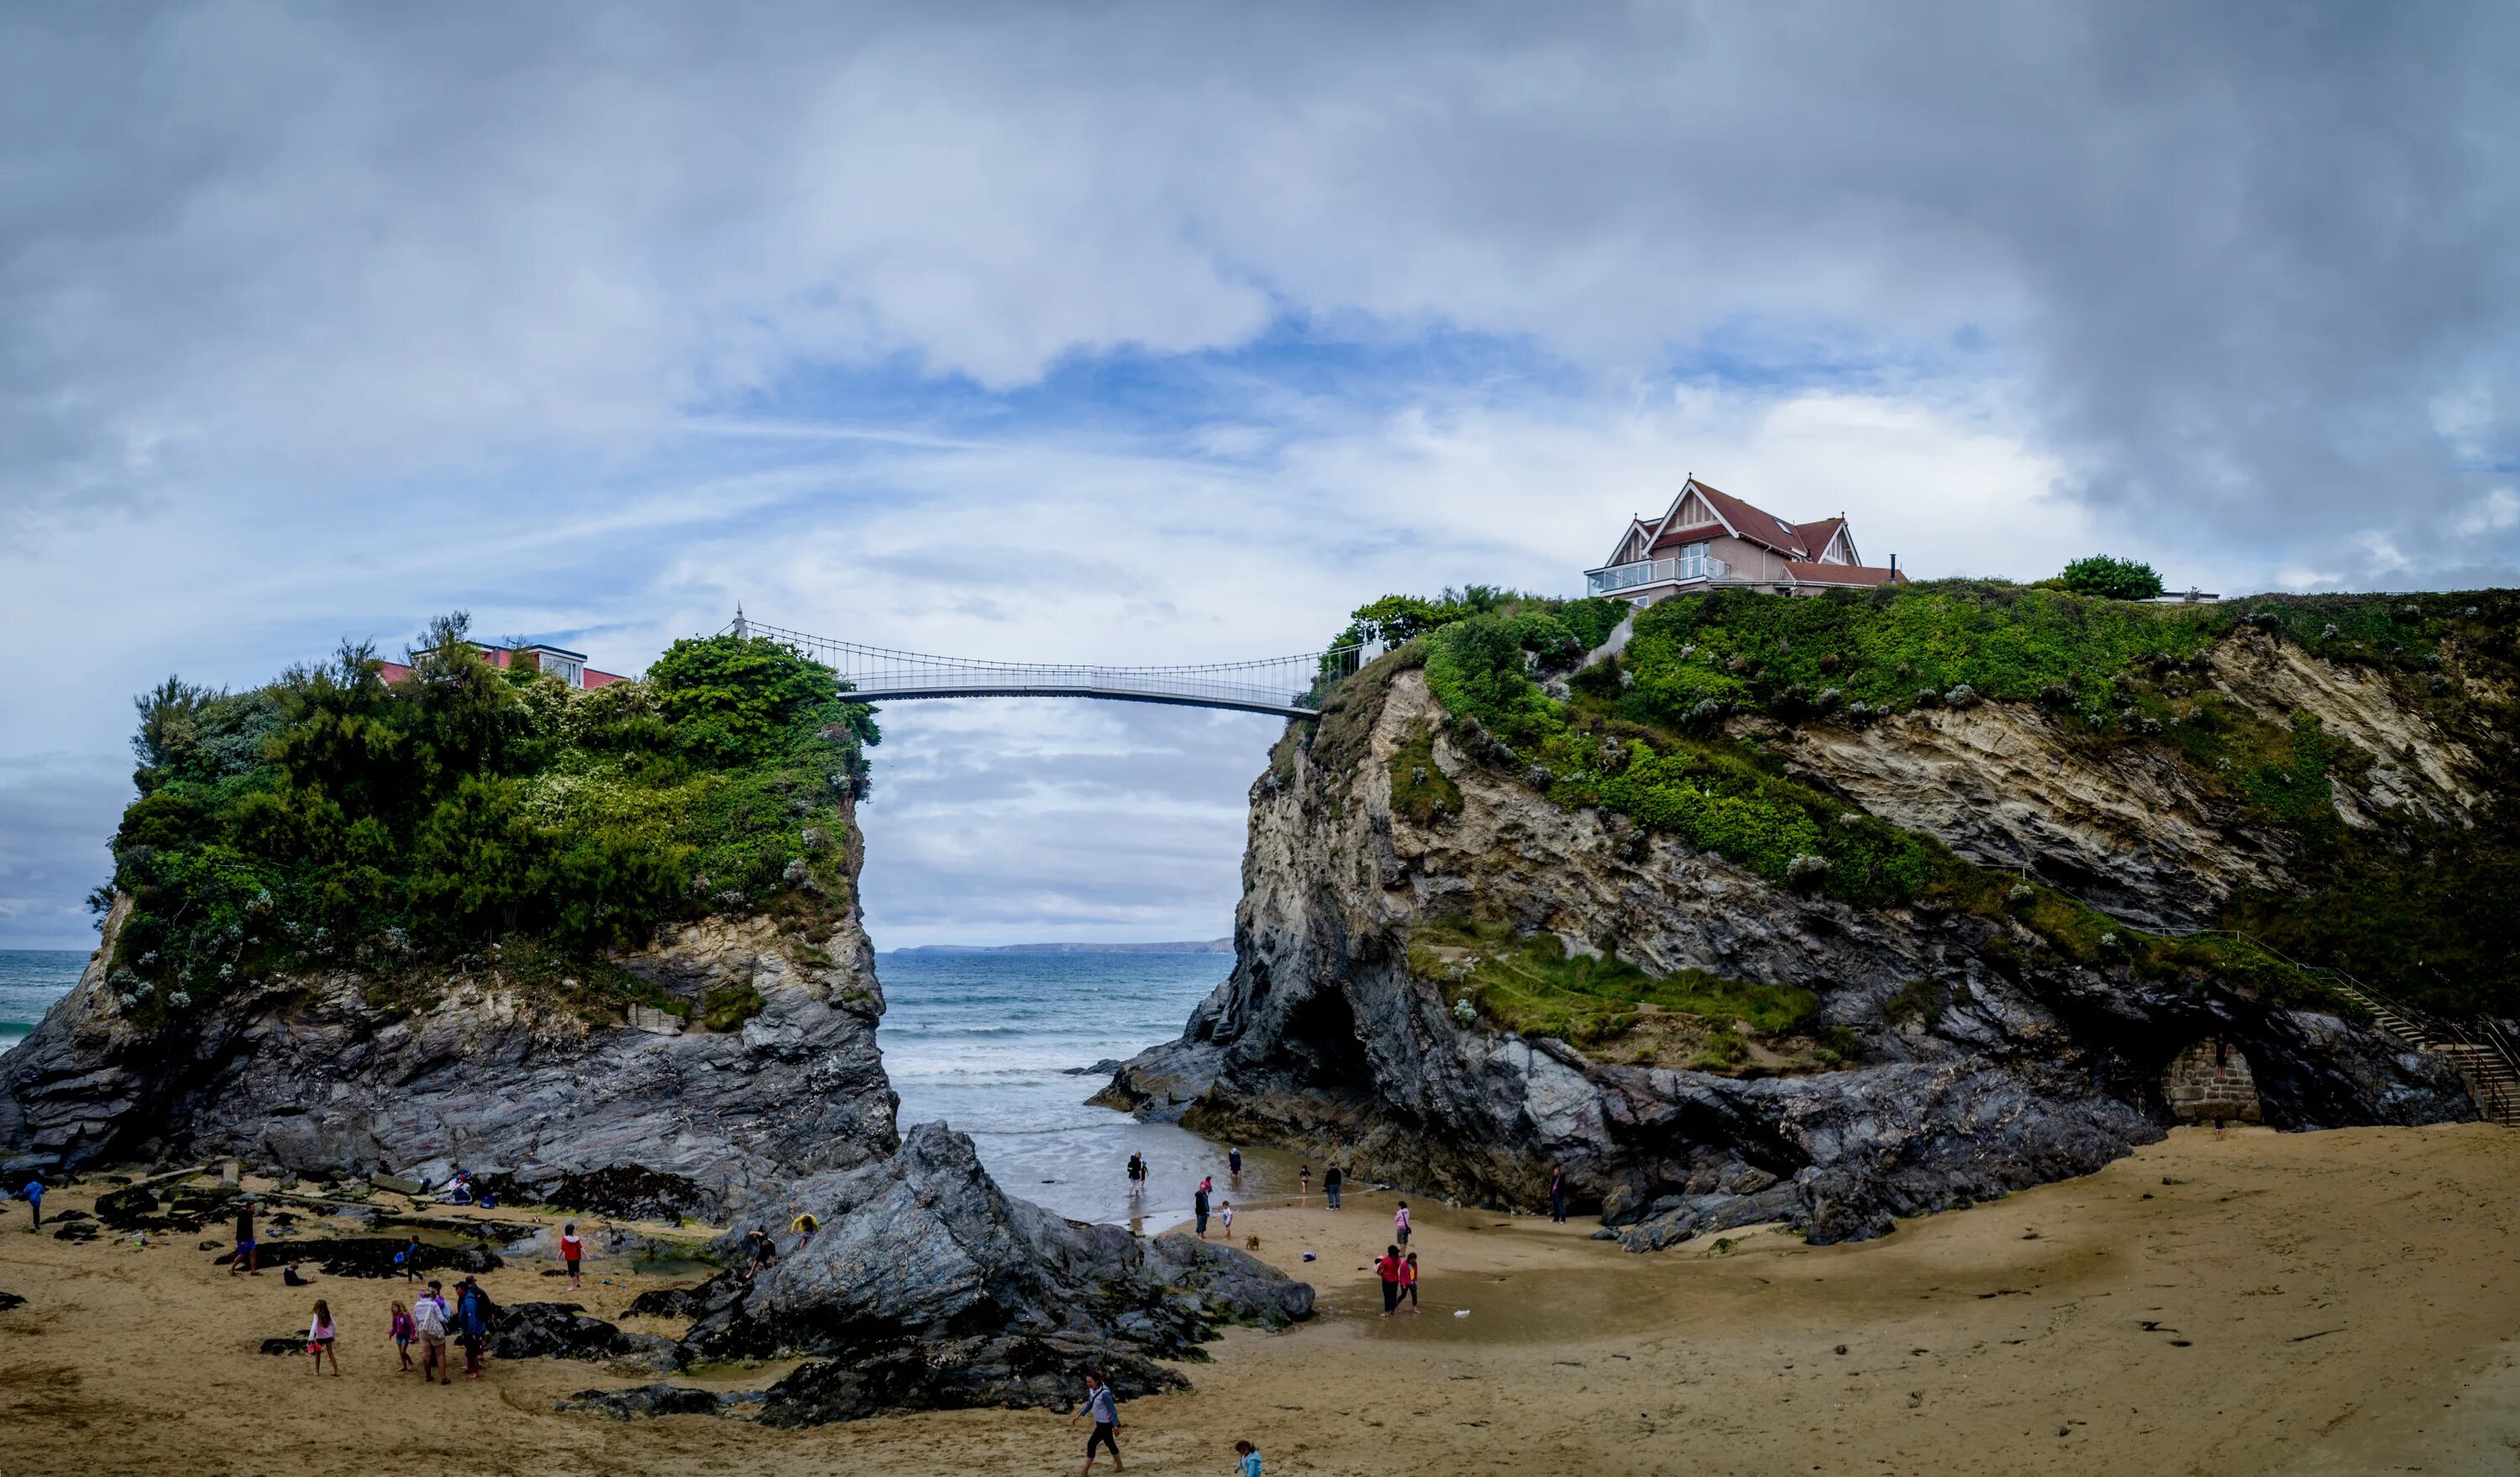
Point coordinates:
[[1692, 535], [1817, 536], [1839, 575], [1757, 525]]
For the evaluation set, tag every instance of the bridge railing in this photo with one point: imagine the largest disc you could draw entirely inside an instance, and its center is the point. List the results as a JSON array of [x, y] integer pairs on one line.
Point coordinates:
[[1286, 685]]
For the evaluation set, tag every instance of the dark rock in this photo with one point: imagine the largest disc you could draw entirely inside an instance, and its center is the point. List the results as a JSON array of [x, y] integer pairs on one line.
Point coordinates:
[[1103, 1068], [374, 1256], [69, 1217], [79, 1231], [931, 1288], [643, 1402], [563, 1331], [9, 1300], [670, 1302], [295, 1343], [623, 1190]]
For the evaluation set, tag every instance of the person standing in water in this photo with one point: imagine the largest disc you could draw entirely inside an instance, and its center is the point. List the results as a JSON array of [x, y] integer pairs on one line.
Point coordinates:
[[571, 1251], [1387, 1268], [1556, 1194], [1331, 1178], [1199, 1207], [1233, 1162], [1400, 1222], [1104, 1407]]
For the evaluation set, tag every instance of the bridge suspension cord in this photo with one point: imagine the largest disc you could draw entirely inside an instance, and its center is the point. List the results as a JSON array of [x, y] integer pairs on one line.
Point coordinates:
[[1289, 686]]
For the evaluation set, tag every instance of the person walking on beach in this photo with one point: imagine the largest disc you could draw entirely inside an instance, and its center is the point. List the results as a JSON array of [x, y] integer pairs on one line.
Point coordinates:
[[246, 1260], [429, 1317], [34, 1193], [571, 1251], [1303, 1182], [1556, 1194], [1233, 1162], [1400, 1222], [1104, 1407], [1199, 1207], [1246, 1459], [1409, 1279], [1388, 1269], [472, 1325], [320, 1337], [1333, 1178], [408, 1259], [405, 1330]]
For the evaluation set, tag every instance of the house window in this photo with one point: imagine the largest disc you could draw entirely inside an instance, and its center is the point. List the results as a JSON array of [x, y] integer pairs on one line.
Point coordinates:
[[1694, 563]]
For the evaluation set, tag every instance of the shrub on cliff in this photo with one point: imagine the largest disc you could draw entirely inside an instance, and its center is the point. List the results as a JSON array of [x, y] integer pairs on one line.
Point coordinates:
[[335, 818]]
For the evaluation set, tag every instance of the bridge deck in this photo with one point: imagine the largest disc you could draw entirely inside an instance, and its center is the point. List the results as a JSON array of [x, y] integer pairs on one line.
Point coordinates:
[[881, 694]]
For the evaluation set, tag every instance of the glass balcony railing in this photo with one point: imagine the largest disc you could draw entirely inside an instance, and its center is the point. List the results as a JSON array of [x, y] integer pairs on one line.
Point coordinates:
[[1659, 571]]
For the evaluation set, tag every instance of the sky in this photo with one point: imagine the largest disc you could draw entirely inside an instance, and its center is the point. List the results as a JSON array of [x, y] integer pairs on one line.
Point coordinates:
[[1171, 332]]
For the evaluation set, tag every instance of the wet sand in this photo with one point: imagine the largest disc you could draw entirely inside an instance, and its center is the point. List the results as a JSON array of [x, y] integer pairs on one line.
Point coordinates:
[[2328, 1303]]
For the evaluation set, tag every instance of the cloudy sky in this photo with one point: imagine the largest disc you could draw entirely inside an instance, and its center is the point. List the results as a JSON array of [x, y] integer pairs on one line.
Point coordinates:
[[1171, 332]]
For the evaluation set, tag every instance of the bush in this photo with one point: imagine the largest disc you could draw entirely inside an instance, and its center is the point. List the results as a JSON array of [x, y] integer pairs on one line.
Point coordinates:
[[2111, 578], [332, 818]]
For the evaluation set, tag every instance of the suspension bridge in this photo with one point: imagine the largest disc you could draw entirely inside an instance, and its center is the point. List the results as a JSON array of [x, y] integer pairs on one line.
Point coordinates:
[[1289, 687]]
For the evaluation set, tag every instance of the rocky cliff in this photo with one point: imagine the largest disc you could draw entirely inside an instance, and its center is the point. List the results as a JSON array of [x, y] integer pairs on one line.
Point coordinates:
[[468, 1063], [1453, 973]]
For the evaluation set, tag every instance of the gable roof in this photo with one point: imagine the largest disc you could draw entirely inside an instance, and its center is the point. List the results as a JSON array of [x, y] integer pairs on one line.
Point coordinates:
[[1803, 541]]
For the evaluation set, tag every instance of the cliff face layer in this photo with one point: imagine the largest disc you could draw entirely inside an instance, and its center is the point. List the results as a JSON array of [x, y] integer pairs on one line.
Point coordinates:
[[1448, 979], [471, 1066]]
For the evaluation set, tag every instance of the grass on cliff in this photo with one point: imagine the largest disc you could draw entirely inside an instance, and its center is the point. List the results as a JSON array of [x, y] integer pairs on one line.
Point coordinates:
[[331, 818], [1631, 737], [1537, 987]]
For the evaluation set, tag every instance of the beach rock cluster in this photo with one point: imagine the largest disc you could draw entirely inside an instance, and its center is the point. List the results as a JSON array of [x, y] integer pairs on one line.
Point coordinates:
[[926, 1287], [563, 1331], [1980, 1062]]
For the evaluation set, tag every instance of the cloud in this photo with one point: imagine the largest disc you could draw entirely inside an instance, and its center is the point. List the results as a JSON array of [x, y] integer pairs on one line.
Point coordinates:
[[1028, 332]]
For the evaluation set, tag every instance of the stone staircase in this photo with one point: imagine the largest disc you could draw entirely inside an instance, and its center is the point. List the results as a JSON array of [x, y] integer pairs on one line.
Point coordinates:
[[2482, 1054]]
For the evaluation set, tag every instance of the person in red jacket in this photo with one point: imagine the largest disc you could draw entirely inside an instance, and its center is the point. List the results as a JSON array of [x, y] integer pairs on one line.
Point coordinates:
[[573, 1250], [1388, 1269]]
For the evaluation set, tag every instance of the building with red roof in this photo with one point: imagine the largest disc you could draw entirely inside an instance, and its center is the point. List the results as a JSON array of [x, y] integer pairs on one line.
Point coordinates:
[[1709, 539], [553, 661]]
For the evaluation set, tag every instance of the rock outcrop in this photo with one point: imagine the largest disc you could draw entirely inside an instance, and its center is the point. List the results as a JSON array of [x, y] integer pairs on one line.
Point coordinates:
[[315, 1075], [928, 1288], [1981, 1062]]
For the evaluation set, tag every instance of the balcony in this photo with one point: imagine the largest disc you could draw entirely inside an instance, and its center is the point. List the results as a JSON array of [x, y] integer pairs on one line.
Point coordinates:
[[1686, 569]]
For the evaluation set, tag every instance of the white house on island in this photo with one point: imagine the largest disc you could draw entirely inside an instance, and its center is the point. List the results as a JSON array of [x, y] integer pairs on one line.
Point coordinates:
[[1712, 540]]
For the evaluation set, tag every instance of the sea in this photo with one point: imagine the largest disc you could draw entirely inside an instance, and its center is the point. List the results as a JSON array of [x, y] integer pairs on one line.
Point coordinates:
[[1001, 1045]]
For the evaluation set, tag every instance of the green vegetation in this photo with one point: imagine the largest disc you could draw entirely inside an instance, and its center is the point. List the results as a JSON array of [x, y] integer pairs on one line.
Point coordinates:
[[2425, 911], [1420, 790], [333, 819], [2111, 578], [1534, 986]]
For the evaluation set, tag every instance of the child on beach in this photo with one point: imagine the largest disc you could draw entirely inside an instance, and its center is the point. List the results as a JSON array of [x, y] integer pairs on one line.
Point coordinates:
[[1409, 1279], [1228, 1209], [405, 1330], [320, 1335], [1387, 1268], [1246, 1459], [571, 1249], [1400, 1222]]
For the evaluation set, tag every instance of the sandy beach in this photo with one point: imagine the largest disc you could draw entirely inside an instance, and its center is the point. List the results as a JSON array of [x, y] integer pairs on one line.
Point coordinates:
[[2338, 1302]]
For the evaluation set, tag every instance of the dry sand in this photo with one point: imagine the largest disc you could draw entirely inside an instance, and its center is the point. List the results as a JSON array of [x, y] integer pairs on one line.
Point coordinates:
[[2311, 1303]]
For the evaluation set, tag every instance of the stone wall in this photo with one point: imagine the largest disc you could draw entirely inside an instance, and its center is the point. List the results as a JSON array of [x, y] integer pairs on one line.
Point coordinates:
[[2210, 1081]]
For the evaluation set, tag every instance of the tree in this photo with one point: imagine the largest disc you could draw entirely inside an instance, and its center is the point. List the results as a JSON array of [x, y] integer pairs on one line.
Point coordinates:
[[2111, 578]]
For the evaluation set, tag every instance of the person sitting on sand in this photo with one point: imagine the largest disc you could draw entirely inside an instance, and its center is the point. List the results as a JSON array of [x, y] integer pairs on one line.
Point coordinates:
[[404, 1331], [1104, 1407], [320, 1337], [294, 1277], [1387, 1268]]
